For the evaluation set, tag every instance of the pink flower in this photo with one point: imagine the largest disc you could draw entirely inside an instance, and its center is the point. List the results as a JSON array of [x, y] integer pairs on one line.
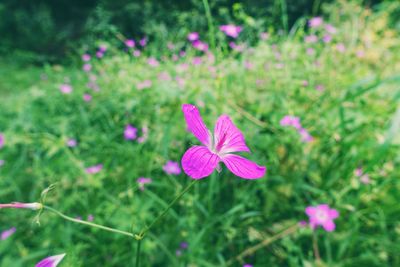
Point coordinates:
[[237, 48], [182, 53], [327, 38], [94, 169], [87, 67], [2, 162], [66, 88], [52, 261], [311, 38], [142, 181], [315, 22], [330, 29], [304, 83], [290, 120], [130, 43], [193, 36], [143, 85], [305, 135], [90, 218], [72, 143], [153, 62], [87, 97], [310, 51], [319, 87], [200, 161], [99, 54], [196, 61], [18, 205], [340, 48], [231, 30], [247, 265], [86, 57], [172, 167], [2, 140], [143, 42], [199, 45], [164, 76], [360, 53], [130, 132], [136, 53], [102, 48], [7, 233], [264, 36], [322, 215]]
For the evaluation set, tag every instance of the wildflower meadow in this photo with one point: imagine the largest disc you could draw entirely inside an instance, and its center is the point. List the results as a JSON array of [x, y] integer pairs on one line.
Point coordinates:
[[233, 143]]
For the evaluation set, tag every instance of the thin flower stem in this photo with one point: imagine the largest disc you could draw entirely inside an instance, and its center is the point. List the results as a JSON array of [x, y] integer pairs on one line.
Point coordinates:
[[94, 225], [315, 247], [264, 243], [211, 31], [138, 253], [144, 231]]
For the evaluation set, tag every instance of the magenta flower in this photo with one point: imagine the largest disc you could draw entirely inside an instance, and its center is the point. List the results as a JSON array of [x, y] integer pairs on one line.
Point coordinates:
[[130, 132], [322, 215], [90, 218], [193, 36], [7, 233], [142, 181], [2, 140], [66, 88], [143, 42], [315, 22], [247, 265], [153, 62], [231, 30], [72, 143], [327, 38], [200, 161], [172, 167], [130, 43], [19, 205], [94, 169], [199, 45], [290, 120], [52, 261], [102, 48], [319, 87], [99, 54], [305, 135], [86, 57], [87, 97]]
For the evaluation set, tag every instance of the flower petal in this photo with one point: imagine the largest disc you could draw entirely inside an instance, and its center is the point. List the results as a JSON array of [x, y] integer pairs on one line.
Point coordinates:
[[199, 162], [195, 123], [52, 261], [310, 211], [242, 167], [333, 214], [329, 226], [228, 137]]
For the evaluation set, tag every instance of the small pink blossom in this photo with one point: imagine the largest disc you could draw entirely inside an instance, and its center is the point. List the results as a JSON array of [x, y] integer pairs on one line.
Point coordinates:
[[319, 87], [86, 57], [102, 48], [193, 36], [199, 45], [2, 140], [305, 135], [290, 120], [238, 48], [87, 67], [172, 167], [7, 233], [247, 265], [99, 54], [145, 135], [130, 132], [90, 218], [136, 53], [311, 38], [304, 83], [197, 61], [143, 42], [322, 215], [330, 29], [19, 205], [360, 53], [310, 51], [65, 88], [182, 53], [143, 85], [315, 22], [142, 181], [130, 43], [94, 169], [340, 47], [153, 62], [72, 143], [231, 30], [52, 261], [164, 76], [248, 65], [175, 57], [327, 38], [87, 97], [200, 161]]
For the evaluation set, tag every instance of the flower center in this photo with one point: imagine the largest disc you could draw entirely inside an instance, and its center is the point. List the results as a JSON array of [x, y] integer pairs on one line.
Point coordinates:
[[321, 215]]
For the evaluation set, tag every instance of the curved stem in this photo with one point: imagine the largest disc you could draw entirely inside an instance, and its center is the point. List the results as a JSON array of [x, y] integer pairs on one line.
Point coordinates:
[[144, 231], [94, 225]]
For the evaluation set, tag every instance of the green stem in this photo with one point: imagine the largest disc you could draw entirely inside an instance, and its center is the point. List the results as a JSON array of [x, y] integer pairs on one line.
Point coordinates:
[[144, 231], [94, 225], [138, 253], [211, 31]]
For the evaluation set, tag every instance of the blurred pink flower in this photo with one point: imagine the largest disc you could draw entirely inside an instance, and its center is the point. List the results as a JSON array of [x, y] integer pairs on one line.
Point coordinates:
[[130, 43], [90, 218], [197, 61], [248, 65], [142, 181], [136, 53], [231, 30], [86, 57], [182, 53], [130, 132], [330, 29], [322, 215], [99, 54], [310, 51], [264, 36], [72, 143], [304, 83], [19, 205], [319, 87], [94, 169], [237, 48], [327, 38], [360, 53], [247, 265], [164, 76], [7, 233], [143, 42], [193, 36], [290, 120], [153, 62], [87, 67], [170, 46], [52, 261], [143, 85], [340, 48], [200, 161], [65, 88], [145, 135], [199, 45], [172, 167], [102, 48], [2, 140], [305, 135], [175, 57], [87, 97], [315, 22], [311, 38]]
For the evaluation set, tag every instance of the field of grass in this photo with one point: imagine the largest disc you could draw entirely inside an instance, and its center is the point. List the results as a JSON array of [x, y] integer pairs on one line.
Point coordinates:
[[346, 93]]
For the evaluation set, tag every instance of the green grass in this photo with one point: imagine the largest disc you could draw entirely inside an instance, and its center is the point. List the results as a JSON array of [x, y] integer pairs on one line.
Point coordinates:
[[353, 120]]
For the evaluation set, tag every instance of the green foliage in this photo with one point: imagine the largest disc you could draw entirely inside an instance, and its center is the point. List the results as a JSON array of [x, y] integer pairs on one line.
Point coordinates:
[[354, 121]]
